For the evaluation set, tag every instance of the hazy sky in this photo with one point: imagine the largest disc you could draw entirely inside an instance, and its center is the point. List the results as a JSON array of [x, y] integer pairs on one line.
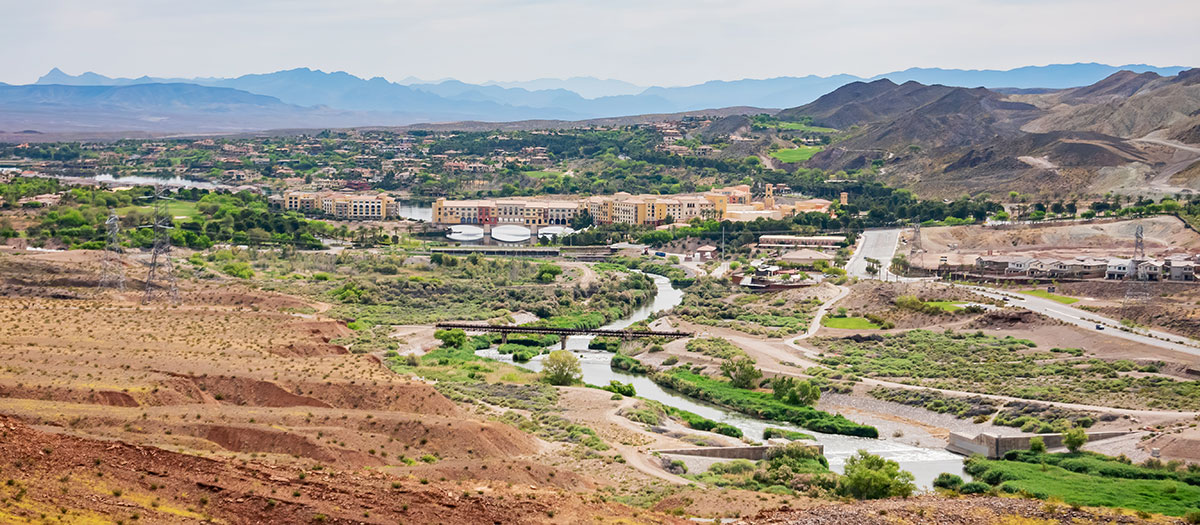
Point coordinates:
[[660, 42]]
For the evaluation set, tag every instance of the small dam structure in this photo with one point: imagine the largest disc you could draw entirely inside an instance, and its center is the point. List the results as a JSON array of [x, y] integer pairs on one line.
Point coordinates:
[[993, 446]]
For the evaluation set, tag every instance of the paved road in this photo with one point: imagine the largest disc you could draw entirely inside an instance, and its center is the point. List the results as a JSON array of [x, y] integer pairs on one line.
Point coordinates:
[[1089, 320], [881, 245], [1161, 181]]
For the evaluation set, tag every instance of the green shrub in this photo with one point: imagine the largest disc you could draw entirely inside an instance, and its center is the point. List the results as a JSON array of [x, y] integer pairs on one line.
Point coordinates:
[[737, 466], [1037, 444], [772, 432], [868, 476], [1074, 439], [741, 372], [240, 270], [616, 387], [975, 487], [623, 362], [948, 481], [643, 416], [561, 368]]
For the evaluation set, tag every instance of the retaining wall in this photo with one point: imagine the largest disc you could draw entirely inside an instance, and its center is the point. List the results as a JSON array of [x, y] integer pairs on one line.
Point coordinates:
[[993, 446]]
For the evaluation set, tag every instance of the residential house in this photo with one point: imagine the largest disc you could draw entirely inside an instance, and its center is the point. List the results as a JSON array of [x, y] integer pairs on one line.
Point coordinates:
[[1119, 269], [1149, 270]]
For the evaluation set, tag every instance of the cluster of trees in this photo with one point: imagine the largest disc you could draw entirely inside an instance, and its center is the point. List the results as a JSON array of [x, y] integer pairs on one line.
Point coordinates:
[[21, 187], [239, 218], [48, 151]]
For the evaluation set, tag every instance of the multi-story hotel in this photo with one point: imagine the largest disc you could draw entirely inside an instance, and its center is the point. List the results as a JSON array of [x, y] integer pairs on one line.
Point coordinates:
[[607, 209], [505, 211], [341, 206], [732, 203]]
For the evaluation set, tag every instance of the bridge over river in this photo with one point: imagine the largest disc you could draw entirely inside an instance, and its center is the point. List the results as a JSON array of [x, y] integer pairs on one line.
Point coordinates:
[[564, 332]]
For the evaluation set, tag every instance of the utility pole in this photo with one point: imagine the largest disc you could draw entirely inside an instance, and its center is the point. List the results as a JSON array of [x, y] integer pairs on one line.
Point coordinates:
[[160, 256], [112, 270]]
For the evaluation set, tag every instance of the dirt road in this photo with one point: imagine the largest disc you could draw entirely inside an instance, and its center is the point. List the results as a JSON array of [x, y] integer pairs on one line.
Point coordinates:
[[1186, 156]]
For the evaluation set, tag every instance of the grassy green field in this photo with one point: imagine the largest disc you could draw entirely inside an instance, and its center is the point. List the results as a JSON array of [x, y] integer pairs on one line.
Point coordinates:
[[175, 208], [543, 174], [798, 154], [796, 126], [1163, 496], [949, 306], [851, 323], [1053, 297]]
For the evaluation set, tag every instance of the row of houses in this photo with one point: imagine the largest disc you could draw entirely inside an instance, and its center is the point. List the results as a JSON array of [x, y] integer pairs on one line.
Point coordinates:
[[1173, 268]]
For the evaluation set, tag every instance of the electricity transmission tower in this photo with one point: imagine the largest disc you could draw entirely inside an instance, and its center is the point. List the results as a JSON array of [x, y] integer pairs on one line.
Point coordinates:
[[112, 271], [1137, 293], [161, 267]]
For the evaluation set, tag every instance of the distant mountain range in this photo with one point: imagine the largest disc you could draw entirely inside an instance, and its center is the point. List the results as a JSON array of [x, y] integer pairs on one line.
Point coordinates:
[[310, 98]]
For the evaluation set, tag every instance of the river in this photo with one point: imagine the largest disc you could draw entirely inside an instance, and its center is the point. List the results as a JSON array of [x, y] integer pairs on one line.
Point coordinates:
[[924, 463]]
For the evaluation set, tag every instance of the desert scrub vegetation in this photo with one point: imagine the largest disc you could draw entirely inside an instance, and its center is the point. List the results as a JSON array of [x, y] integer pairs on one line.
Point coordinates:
[[799, 468], [462, 376], [1046, 419], [792, 468], [975, 362], [653, 413], [717, 302], [934, 307], [395, 289], [652, 265], [932, 400], [1085, 478], [553, 427], [758, 404], [715, 347]]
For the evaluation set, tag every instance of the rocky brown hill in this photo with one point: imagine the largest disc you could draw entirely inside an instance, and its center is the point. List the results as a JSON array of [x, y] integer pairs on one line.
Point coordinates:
[[1128, 133]]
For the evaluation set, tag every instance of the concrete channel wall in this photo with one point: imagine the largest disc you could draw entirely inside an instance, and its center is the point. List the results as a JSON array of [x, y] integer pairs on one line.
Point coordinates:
[[993, 446]]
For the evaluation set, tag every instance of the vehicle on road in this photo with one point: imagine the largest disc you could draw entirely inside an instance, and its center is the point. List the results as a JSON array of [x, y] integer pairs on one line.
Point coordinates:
[[1099, 327]]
